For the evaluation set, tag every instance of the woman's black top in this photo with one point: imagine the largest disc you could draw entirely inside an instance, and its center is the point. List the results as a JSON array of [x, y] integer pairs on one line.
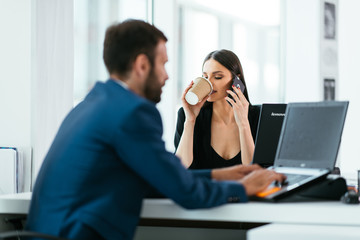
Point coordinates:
[[205, 157]]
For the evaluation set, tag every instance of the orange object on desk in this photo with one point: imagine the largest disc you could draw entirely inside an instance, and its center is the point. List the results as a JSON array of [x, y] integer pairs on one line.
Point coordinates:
[[268, 192]]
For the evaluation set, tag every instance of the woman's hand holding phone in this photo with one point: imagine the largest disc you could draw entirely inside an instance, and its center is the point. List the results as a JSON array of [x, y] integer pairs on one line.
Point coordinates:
[[238, 84], [239, 104]]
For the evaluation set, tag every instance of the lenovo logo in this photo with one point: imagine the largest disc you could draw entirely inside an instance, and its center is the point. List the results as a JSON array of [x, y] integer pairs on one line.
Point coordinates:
[[277, 114]]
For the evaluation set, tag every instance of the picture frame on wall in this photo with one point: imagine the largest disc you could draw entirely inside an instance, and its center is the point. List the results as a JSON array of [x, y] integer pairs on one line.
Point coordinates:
[[329, 89], [328, 36], [329, 20]]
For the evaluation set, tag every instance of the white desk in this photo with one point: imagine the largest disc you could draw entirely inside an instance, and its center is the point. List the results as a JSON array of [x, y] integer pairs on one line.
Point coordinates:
[[316, 220], [277, 231], [325, 213]]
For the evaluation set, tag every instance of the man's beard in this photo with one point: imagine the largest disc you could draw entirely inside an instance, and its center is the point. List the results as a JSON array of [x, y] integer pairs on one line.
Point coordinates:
[[152, 90]]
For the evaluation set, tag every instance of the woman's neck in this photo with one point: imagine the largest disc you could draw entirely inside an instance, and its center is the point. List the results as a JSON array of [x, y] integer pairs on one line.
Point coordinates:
[[223, 112]]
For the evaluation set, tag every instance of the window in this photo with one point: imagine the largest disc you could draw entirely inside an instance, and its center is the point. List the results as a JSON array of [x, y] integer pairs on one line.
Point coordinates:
[[91, 19], [199, 36], [194, 28], [250, 31]]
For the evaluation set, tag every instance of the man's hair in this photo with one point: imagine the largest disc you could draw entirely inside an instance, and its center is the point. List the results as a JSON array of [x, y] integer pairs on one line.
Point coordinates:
[[125, 41]]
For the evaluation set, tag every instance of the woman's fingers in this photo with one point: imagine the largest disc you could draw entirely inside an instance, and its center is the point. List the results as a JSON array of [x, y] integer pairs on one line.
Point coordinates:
[[239, 94], [186, 90], [203, 101], [234, 95], [230, 100]]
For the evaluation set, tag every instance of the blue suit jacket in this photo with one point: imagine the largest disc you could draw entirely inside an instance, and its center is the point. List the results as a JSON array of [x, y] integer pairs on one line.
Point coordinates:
[[106, 157]]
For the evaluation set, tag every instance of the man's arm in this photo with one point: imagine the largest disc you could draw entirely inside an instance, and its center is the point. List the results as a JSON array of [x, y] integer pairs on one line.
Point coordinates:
[[144, 152], [139, 144], [232, 173]]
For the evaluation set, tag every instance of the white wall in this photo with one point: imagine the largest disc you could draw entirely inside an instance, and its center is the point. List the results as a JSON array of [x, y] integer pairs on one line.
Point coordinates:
[[15, 75], [302, 67], [36, 75], [53, 72], [349, 83], [166, 21], [303, 71]]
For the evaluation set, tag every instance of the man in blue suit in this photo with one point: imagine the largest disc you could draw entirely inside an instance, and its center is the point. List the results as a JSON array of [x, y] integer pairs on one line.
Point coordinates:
[[108, 154]]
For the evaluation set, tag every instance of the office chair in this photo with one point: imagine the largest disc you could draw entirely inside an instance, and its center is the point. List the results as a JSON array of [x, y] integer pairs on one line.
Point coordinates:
[[23, 235], [19, 234]]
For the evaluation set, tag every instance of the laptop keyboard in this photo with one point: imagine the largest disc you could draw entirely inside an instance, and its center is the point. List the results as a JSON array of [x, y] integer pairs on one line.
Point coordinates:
[[295, 178]]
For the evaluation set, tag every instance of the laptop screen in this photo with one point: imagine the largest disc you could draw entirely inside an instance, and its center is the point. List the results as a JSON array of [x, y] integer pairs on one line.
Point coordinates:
[[268, 133], [311, 134]]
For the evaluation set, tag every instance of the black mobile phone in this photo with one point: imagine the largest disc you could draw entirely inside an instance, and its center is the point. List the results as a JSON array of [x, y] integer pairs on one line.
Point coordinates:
[[238, 84]]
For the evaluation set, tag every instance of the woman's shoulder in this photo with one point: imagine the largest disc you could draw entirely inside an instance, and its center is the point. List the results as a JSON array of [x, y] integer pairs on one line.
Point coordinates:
[[181, 116], [181, 111]]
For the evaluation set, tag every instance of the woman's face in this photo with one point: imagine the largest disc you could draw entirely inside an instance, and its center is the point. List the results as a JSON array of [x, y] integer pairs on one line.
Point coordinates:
[[219, 76]]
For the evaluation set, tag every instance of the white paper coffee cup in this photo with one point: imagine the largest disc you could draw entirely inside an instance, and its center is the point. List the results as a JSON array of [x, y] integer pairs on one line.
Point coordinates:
[[200, 89]]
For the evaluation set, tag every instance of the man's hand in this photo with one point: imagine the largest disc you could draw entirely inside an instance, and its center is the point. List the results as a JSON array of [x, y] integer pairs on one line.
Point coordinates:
[[236, 172], [259, 180]]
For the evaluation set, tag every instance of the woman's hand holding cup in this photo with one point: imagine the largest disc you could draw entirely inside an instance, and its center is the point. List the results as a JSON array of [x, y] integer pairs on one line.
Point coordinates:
[[194, 97]]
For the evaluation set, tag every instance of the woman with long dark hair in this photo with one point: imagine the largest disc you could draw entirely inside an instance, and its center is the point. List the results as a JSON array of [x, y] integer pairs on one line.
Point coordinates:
[[214, 133]]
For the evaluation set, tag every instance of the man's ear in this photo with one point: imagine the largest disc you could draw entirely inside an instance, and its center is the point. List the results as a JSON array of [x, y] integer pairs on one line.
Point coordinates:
[[142, 66]]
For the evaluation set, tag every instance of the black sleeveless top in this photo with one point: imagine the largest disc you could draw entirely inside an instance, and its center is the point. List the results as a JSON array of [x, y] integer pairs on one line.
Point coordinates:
[[217, 161], [205, 157]]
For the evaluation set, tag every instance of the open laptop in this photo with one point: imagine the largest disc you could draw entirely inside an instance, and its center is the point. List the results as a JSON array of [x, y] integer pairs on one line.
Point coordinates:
[[308, 145], [268, 133]]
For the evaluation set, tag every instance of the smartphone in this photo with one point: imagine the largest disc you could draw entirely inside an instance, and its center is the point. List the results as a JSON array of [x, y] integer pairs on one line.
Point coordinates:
[[238, 84]]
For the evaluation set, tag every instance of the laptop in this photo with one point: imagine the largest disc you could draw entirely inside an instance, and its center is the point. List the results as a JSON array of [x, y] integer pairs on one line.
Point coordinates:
[[268, 133], [308, 145]]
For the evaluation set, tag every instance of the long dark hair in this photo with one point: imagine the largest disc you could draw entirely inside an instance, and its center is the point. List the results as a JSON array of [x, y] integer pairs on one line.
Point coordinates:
[[229, 60]]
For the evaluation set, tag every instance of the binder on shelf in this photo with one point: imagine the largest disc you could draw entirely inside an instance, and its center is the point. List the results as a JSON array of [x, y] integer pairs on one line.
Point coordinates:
[[11, 170]]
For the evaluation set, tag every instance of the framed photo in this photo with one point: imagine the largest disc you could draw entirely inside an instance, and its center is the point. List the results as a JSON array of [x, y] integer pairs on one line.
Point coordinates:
[[329, 20], [329, 89]]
